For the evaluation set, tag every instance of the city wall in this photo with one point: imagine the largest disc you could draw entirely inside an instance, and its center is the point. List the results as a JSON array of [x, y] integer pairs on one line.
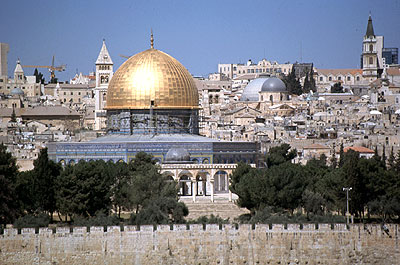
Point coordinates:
[[198, 244]]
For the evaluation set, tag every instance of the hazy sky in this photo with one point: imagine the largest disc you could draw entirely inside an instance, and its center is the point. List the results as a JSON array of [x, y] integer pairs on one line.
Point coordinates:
[[200, 34]]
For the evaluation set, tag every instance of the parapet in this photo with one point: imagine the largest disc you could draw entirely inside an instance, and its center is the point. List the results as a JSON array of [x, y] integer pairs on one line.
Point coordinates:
[[209, 228]]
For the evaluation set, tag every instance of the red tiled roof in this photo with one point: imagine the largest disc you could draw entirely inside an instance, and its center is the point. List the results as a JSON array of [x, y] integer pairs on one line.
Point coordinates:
[[359, 149], [316, 146], [339, 71]]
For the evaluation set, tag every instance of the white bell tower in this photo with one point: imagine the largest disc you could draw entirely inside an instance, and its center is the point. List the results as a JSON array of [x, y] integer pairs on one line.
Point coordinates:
[[104, 73], [371, 53]]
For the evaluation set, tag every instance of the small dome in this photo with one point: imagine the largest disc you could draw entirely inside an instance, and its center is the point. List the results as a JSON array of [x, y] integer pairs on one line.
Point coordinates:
[[177, 154], [250, 92], [17, 91], [274, 84]]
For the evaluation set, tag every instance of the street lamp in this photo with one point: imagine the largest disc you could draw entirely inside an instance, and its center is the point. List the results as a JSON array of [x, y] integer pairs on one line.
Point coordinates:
[[347, 196]]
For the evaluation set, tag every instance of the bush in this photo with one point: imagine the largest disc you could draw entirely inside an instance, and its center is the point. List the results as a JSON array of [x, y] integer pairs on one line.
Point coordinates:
[[32, 221], [100, 219], [209, 220], [269, 216]]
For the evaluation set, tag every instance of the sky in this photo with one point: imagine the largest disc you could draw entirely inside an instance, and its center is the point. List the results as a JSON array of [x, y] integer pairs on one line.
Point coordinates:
[[199, 34]]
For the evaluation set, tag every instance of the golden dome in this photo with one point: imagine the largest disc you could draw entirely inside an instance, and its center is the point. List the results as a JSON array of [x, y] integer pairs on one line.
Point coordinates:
[[152, 75]]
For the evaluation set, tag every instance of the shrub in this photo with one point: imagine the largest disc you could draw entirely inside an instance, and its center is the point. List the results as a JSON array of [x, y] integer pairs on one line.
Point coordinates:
[[32, 221], [100, 219]]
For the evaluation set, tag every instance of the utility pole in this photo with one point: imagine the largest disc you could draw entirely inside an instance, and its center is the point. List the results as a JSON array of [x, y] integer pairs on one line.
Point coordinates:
[[347, 200]]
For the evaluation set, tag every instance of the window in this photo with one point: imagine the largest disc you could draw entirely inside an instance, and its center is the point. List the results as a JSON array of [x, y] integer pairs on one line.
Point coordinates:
[[79, 93], [321, 78], [371, 47], [358, 78], [65, 93], [72, 93], [339, 78], [371, 60], [348, 78], [330, 78]]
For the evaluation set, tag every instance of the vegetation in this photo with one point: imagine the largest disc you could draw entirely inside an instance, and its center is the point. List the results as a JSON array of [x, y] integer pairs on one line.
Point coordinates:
[[285, 190], [293, 84], [87, 192], [337, 88], [96, 192]]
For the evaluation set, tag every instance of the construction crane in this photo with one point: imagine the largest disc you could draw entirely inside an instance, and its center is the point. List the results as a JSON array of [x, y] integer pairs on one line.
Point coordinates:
[[51, 68]]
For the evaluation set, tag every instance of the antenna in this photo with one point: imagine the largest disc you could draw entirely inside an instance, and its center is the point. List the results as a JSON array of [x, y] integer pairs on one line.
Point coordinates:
[[301, 51]]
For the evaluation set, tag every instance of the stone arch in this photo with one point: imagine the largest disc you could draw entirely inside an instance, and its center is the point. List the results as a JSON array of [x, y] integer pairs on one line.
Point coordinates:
[[120, 161], [221, 182], [168, 174], [185, 183], [206, 161], [71, 162], [201, 183], [195, 160], [62, 162]]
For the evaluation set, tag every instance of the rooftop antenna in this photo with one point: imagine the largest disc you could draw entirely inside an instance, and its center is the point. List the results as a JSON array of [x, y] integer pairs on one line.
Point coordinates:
[[151, 40], [301, 51]]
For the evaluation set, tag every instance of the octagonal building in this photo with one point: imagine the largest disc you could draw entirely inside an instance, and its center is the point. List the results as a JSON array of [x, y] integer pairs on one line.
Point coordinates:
[[153, 106]]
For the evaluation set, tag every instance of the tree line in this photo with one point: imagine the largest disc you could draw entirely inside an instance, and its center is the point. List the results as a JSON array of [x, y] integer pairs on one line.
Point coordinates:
[[87, 190], [287, 188]]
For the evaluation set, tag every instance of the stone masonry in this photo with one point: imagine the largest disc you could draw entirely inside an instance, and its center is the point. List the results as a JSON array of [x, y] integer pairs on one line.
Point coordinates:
[[198, 244]]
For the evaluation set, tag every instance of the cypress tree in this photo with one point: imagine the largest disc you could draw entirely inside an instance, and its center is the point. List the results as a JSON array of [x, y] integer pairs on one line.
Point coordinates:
[[391, 159], [341, 155]]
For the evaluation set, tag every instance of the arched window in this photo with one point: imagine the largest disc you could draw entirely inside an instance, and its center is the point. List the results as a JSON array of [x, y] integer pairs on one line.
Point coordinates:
[[271, 98], [371, 47], [371, 60]]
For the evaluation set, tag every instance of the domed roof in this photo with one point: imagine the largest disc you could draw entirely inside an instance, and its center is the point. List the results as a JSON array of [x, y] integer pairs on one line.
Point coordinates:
[[250, 92], [177, 154], [152, 75], [17, 91], [274, 84]]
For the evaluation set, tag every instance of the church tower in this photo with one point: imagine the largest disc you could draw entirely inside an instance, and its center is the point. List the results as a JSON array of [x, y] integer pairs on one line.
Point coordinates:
[[372, 53], [104, 73]]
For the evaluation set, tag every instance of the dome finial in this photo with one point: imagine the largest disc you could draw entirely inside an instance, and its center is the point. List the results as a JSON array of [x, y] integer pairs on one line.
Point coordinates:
[[152, 40]]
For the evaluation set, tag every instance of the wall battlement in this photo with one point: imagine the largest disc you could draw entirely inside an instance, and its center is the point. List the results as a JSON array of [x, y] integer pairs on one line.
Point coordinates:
[[198, 244]]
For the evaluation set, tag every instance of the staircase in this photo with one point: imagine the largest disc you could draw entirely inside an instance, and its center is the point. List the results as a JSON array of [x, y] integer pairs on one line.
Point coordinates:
[[220, 207]]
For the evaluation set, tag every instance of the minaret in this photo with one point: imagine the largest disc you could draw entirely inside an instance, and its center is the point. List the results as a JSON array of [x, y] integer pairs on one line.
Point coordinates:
[[104, 73], [371, 53]]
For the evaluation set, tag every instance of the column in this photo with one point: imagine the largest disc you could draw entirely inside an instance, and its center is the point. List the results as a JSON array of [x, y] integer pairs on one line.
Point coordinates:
[[212, 190], [230, 195], [194, 190]]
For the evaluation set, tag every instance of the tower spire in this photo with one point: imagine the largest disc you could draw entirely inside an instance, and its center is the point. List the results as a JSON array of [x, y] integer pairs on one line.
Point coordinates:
[[152, 40], [370, 28]]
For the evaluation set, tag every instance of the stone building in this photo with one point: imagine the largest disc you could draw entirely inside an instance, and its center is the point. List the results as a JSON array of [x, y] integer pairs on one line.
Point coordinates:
[[153, 106]]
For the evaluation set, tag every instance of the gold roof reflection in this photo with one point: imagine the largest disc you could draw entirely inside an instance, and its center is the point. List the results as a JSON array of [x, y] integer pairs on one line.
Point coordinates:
[[152, 75]]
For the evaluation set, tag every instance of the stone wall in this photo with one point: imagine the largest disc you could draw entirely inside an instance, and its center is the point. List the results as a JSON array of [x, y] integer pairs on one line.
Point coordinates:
[[198, 244]]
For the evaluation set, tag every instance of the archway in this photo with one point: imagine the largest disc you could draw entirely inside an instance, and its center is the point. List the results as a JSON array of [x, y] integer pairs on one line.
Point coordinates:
[[185, 185], [221, 184], [201, 185]]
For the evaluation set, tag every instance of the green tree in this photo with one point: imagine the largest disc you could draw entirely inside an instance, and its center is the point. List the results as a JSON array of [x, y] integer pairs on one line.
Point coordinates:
[[333, 160], [312, 80], [13, 116], [292, 83], [9, 207], [391, 160], [45, 174], [280, 154], [153, 196], [307, 84], [337, 88], [341, 155], [84, 189]]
